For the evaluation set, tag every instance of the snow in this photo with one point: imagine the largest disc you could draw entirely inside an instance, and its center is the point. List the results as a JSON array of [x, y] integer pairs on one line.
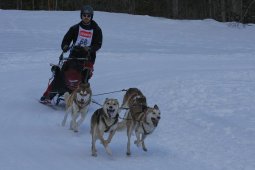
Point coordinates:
[[201, 74]]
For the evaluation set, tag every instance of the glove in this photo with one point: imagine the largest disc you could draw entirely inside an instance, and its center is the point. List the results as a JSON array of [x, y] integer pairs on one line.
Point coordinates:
[[55, 69], [65, 48], [61, 57]]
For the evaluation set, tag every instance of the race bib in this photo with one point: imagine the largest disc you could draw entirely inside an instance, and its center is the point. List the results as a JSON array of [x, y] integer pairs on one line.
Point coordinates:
[[84, 37]]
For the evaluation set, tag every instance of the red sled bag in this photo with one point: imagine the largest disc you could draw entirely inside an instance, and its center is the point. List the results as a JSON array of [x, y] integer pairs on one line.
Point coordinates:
[[72, 78]]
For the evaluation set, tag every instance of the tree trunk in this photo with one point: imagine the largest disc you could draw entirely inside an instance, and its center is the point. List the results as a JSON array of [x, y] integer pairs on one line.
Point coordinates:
[[33, 4], [210, 8], [175, 9], [56, 6], [246, 11], [223, 10], [48, 5]]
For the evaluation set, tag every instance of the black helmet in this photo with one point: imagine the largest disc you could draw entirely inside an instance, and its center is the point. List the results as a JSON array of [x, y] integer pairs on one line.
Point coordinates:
[[87, 9]]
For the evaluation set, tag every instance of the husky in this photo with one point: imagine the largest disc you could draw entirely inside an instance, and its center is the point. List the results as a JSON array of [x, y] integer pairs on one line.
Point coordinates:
[[104, 120], [138, 117], [77, 103]]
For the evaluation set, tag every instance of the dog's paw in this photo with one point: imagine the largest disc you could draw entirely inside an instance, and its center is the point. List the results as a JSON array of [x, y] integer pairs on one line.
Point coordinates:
[[94, 154], [75, 128], [138, 143], [108, 150]]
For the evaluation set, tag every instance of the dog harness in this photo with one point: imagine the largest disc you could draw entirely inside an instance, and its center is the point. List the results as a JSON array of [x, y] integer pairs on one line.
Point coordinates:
[[144, 130], [138, 108], [109, 127], [142, 119]]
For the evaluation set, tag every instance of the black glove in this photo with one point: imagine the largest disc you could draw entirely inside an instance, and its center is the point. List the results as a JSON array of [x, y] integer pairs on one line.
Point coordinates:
[[55, 69], [65, 48], [61, 57]]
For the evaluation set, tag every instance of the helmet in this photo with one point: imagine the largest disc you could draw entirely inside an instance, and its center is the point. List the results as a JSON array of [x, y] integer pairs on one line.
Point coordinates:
[[87, 9]]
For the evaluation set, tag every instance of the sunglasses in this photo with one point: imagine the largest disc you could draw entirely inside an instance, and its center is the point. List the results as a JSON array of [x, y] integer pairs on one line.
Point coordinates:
[[86, 15]]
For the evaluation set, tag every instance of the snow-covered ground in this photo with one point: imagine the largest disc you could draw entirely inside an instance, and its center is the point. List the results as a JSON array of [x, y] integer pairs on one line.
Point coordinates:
[[200, 73]]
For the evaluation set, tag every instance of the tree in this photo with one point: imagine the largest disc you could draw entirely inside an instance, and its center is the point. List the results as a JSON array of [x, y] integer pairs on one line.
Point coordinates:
[[33, 4], [210, 8], [247, 10], [223, 10], [56, 5], [19, 4], [175, 8]]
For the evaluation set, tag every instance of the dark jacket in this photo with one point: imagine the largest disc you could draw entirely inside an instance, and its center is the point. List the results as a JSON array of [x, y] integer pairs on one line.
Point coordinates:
[[72, 34]]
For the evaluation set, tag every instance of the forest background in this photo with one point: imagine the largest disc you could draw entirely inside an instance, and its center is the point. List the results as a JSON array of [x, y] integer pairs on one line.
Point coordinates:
[[242, 11]]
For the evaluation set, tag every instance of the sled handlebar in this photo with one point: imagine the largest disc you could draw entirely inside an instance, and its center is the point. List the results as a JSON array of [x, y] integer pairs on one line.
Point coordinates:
[[62, 58], [82, 59]]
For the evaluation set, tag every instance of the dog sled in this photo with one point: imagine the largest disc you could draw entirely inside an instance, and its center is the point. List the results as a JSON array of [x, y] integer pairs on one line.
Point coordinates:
[[70, 72]]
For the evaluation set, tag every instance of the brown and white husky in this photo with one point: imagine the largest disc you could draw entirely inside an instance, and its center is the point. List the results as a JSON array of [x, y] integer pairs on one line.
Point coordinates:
[[139, 117]]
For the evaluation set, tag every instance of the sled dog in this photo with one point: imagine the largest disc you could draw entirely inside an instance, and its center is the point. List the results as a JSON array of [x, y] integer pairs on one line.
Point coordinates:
[[77, 103], [139, 117], [104, 120]]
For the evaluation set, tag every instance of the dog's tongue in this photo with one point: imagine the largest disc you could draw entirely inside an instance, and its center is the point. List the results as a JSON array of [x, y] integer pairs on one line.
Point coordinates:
[[110, 112]]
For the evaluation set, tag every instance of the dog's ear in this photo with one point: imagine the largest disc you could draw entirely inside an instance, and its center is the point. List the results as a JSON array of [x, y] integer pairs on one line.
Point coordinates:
[[156, 107]]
